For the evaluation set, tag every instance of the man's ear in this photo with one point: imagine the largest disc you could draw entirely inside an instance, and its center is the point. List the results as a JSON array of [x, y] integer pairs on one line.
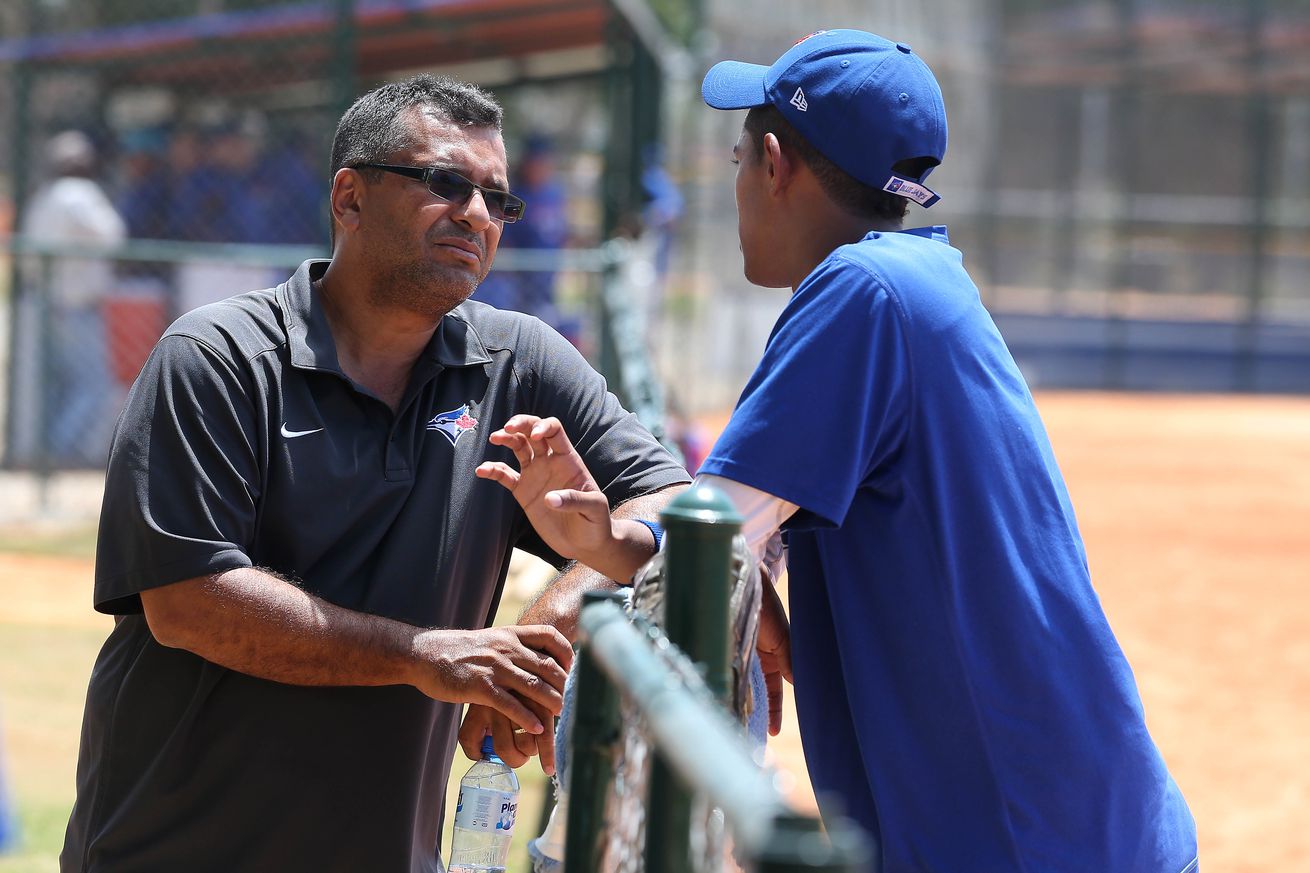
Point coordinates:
[[347, 198], [779, 167]]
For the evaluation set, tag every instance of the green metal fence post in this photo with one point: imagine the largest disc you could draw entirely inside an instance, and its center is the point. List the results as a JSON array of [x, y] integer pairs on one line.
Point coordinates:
[[1260, 126], [705, 749], [699, 524], [1128, 111], [19, 170], [44, 412], [607, 346], [616, 196], [344, 52], [595, 730]]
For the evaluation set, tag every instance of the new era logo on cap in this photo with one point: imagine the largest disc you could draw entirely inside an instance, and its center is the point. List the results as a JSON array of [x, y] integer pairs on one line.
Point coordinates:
[[798, 100]]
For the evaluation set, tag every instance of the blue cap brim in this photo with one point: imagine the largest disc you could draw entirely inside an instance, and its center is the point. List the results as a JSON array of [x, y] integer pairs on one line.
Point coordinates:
[[734, 85]]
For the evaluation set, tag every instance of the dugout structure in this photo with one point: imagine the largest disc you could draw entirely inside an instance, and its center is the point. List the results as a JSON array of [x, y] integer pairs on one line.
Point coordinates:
[[212, 122]]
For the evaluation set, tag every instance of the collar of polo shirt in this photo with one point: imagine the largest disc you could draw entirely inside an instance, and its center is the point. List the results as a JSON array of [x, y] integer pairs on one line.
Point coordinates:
[[455, 344]]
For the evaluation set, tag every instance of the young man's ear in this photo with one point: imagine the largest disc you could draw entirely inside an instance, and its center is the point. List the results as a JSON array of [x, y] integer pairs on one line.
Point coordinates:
[[778, 166]]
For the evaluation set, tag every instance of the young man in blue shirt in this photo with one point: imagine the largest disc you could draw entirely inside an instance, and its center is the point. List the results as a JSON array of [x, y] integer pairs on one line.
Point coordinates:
[[959, 691]]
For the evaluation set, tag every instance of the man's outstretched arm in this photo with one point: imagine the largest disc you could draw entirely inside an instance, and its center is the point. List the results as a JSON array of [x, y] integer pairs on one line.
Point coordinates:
[[255, 622]]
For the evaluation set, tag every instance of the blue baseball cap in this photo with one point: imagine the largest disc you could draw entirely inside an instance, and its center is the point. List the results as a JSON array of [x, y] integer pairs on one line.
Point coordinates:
[[863, 101]]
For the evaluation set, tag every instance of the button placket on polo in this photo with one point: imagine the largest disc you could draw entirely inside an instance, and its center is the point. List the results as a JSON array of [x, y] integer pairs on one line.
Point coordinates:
[[397, 448], [373, 408], [397, 455], [406, 428]]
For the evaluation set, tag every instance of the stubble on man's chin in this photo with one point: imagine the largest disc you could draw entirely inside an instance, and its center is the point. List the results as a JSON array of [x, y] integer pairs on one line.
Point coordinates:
[[427, 290]]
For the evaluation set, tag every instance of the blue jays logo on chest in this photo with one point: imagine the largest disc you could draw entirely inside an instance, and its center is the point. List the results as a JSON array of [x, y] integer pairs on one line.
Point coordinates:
[[453, 424]]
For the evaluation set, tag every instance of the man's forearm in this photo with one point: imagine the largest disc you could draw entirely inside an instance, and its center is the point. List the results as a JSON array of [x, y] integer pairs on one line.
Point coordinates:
[[559, 603], [257, 623]]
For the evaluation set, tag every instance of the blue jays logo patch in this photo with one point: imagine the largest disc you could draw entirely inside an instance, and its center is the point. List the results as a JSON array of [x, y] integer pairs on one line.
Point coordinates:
[[453, 424]]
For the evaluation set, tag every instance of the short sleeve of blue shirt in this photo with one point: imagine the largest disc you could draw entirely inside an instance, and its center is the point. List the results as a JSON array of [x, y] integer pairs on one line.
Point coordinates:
[[810, 432]]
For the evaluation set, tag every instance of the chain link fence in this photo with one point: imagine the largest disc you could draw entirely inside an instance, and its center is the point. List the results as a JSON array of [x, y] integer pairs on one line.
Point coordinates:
[[1129, 181], [159, 155]]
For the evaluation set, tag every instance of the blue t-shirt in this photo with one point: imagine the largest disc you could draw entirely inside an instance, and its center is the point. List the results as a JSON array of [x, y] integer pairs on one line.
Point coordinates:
[[957, 684]]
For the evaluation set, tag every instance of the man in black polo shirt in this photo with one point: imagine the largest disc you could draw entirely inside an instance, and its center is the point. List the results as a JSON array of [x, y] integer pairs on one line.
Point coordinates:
[[299, 555]]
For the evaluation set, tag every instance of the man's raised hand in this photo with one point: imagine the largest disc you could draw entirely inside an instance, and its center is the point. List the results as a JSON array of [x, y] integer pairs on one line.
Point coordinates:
[[557, 492]]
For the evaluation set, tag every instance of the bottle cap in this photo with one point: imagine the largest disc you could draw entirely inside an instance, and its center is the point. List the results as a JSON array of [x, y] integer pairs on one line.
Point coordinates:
[[488, 747]]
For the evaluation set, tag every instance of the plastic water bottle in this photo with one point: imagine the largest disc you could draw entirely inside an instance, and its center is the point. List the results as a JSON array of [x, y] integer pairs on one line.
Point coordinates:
[[484, 815]]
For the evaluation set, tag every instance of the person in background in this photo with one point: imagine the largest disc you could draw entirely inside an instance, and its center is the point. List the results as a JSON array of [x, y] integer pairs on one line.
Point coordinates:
[[143, 194], [227, 205], [234, 171], [544, 229], [73, 210], [661, 213], [292, 190], [143, 189], [8, 820]]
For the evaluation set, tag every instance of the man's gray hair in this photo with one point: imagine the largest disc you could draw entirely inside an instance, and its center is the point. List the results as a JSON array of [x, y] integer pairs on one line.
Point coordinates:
[[374, 128]]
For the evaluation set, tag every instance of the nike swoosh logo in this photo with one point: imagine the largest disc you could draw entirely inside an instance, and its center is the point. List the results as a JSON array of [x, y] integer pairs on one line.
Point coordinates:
[[292, 434]]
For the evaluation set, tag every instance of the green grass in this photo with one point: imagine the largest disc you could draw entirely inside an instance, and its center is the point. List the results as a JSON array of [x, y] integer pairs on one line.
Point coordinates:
[[41, 832], [75, 541], [43, 676]]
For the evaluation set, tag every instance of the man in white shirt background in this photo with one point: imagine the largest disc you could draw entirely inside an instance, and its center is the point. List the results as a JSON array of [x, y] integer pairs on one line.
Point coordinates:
[[75, 412]]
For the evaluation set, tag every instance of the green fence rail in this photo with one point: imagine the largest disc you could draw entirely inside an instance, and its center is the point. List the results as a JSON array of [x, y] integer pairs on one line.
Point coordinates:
[[699, 746]]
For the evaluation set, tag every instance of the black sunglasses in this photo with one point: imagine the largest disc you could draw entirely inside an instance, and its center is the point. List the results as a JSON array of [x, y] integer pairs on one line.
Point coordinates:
[[454, 188]]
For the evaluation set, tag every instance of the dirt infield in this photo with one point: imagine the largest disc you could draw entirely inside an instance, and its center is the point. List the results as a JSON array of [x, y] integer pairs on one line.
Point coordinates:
[[1196, 514]]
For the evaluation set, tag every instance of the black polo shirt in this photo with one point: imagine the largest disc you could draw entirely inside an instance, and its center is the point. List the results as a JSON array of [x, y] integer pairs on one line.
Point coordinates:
[[243, 444]]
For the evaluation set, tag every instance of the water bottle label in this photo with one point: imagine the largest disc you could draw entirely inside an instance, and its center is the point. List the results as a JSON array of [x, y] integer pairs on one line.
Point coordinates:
[[483, 809]]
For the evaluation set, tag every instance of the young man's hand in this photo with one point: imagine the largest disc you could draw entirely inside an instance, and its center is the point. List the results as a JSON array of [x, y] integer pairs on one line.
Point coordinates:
[[774, 648]]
